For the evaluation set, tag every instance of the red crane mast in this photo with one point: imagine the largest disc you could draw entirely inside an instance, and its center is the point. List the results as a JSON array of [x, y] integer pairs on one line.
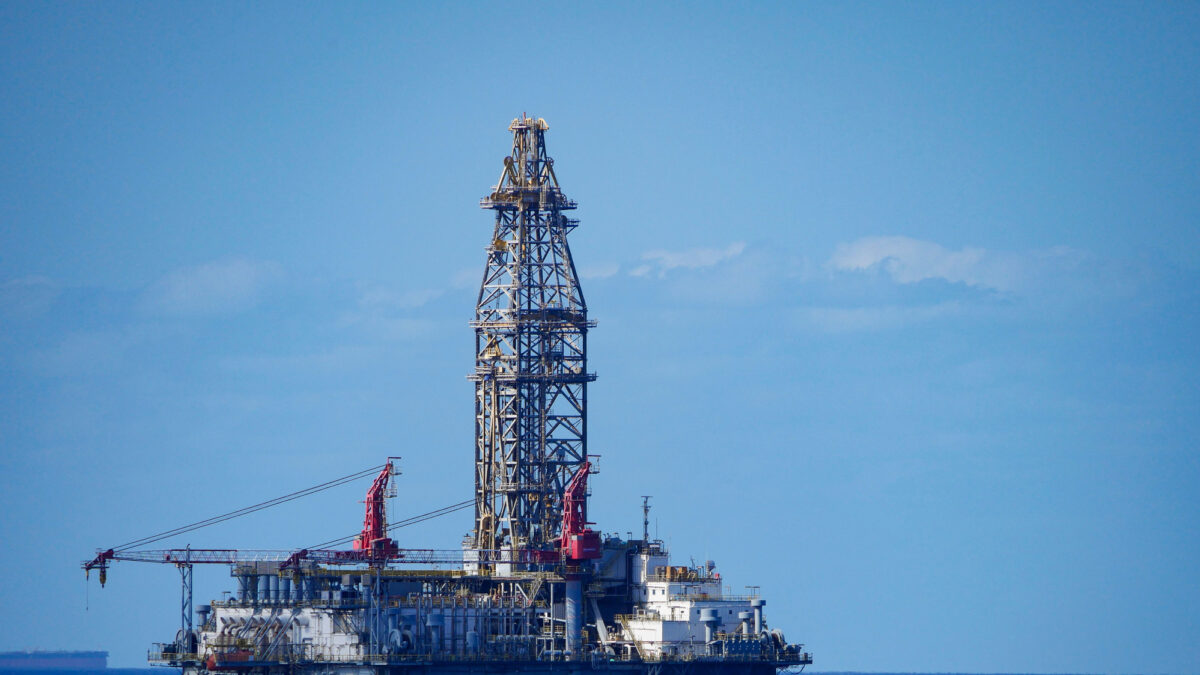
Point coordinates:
[[578, 542], [373, 541]]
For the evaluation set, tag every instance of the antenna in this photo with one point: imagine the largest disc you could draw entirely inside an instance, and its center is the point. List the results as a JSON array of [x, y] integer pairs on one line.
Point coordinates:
[[646, 518]]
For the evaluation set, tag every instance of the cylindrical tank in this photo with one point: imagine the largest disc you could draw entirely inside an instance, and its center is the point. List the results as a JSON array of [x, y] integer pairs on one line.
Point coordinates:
[[708, 617], [744, 617], [574, 617], [757, 605], [264, 588], [285, 589]]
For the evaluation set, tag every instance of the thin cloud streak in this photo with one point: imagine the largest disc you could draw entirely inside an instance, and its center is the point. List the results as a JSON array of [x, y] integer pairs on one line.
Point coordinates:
[[214, 288], [27, 296], [663, 261], [865, 319], [906, 261], [600, 271]]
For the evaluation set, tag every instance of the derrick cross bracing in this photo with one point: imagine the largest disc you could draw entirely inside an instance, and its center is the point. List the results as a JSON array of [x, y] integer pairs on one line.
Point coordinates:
[[530, 355]]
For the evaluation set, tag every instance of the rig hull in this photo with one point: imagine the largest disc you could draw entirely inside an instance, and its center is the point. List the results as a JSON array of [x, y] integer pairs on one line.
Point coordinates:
[[631, 609], [723, 667]]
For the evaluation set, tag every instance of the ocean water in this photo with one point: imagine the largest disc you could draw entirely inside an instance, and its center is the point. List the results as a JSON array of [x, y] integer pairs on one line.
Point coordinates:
[[169, 671], [89, 671]]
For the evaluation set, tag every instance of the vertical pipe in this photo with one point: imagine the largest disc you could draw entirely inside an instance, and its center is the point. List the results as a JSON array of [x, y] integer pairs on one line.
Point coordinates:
[[433, 622], [757, 604], [574, 617]]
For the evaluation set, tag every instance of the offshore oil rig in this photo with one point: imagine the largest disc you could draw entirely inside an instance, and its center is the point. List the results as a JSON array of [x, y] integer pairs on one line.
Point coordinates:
[[534, 588]]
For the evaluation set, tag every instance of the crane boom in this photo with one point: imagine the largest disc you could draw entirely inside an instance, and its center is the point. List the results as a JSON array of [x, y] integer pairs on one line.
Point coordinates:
[[578, 541], [371, 546], [290, 559], [374, 542]]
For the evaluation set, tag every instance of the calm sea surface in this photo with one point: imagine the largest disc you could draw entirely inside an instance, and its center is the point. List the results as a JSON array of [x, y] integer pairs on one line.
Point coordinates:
[[169, 671]]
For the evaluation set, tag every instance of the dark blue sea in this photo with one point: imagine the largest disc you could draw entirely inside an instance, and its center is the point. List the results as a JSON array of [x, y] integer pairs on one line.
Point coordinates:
[[90, 671], [169, 671]]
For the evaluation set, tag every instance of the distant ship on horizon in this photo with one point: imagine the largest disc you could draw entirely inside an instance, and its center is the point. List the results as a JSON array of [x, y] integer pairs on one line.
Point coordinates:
[[53, 660]]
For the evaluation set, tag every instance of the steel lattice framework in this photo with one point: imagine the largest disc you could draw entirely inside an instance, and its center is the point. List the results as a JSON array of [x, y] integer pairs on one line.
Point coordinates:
[[530, 355]]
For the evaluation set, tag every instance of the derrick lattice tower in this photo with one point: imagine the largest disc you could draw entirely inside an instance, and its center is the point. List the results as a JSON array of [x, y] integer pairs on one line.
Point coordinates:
[[530, 355]]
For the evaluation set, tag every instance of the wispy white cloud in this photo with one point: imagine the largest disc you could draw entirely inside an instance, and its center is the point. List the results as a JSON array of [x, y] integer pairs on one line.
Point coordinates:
[[662, 261], [910, 260], [385, 314], [466, 277], [215, 288], [333, 359], [907, 260], [875, 283], [385, 298], [601, 271], [865, 319], [389, 328], [88, 353], [27, 296]]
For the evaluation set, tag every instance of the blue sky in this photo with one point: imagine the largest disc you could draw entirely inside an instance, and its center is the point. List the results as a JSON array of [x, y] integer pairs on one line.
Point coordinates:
[[897, 302]]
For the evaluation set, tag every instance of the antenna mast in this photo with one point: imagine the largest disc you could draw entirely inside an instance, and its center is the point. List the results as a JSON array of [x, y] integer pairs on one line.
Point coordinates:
[[646, 518]]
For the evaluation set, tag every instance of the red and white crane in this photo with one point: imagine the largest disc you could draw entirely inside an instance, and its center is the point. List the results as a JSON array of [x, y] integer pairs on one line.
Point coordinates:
[[377, 549], [578, 541]]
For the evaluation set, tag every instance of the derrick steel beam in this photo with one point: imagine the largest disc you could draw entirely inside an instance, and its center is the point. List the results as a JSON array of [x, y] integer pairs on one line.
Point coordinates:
[[530, 355]]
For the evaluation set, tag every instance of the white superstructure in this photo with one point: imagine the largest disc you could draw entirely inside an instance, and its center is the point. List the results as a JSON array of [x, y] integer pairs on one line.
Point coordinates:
[[681, 611]]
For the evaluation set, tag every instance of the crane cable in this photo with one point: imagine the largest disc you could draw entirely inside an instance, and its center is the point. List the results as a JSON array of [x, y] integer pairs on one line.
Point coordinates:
[[412, 520], [249, 509]]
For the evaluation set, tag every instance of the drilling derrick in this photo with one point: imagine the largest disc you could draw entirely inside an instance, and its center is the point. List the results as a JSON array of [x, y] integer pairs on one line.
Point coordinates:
[[530, 356]]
